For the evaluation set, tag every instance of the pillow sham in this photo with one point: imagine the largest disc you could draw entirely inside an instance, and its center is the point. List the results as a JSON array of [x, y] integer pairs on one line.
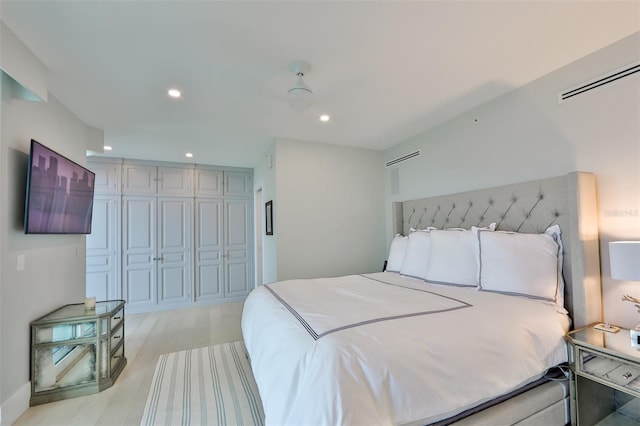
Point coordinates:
[[427, 229], [453, 257], [490, 227], [417, 254], [555, 232], [396, 253], [522, 264]]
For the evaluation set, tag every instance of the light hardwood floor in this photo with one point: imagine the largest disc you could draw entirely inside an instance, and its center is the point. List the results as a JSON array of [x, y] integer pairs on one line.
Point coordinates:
[[147, 336]]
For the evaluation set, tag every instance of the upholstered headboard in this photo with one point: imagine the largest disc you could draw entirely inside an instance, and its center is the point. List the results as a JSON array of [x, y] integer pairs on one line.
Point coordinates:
[[569, 201]]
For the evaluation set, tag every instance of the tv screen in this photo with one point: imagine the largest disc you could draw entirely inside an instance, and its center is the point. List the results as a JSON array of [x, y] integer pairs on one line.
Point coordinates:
[[59, 198]]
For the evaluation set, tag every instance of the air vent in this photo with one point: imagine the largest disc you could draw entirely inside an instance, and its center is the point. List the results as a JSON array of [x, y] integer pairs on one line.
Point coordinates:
[[403, 158], [599, 82]]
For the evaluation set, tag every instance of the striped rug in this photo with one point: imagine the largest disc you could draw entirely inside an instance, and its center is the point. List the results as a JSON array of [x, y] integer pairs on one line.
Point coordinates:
[[204, 386]]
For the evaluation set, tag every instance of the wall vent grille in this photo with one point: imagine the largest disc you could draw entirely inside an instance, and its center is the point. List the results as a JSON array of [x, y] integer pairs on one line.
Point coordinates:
[[403, 158], [597, 82]]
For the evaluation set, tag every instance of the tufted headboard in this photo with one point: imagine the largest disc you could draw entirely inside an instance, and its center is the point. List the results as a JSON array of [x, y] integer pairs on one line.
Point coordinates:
[[531, 207]]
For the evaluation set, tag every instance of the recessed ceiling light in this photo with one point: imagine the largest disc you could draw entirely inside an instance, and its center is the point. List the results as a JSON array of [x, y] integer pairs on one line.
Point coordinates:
[[174, 93], [325, 118], [107, 148], [188, 155]]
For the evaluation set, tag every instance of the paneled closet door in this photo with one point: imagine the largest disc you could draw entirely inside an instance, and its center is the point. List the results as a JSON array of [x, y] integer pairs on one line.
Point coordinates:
[[237, 184], [237, 248], [174, 250], [107, 179], [138, 179], [208, 183], [102, 249], [209, 274], [139, 251], [175, 181]]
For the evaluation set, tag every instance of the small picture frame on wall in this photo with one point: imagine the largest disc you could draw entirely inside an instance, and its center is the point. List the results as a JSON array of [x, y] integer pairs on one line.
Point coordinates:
[[268, 215]]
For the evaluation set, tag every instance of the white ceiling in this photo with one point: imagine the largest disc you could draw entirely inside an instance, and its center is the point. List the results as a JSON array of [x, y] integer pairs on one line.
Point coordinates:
[[384, 71]]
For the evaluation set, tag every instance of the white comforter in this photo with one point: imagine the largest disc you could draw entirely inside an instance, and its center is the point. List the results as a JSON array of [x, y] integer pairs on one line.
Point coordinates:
[[384, 349]]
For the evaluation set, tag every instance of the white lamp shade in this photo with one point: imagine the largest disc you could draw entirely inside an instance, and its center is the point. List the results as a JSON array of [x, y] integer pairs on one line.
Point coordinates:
[[624, 257]]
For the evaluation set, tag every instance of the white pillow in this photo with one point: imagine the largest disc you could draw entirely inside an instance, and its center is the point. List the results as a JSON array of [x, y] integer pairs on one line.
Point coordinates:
[[396, 253], [417, 254], [453, 258], [520, 264]]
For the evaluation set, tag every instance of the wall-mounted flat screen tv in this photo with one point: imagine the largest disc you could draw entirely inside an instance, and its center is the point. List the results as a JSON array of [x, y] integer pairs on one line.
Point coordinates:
[[59, 195]]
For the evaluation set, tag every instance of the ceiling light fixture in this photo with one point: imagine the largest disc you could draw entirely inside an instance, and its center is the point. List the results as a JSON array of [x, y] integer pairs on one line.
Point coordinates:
[[174, 93], [107, 148], [325, 117], [188, 155], [300, 94]]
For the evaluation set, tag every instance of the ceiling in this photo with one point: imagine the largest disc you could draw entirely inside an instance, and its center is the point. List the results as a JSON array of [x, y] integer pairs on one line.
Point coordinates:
[[384, 70]]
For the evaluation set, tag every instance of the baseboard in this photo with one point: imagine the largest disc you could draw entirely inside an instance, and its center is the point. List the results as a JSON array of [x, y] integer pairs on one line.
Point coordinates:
[[15, 405]]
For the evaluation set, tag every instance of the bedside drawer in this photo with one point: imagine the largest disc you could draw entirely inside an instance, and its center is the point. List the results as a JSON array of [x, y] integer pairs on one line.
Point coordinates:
[[608, 370], [116, 337], [117, 356], [117, 318]]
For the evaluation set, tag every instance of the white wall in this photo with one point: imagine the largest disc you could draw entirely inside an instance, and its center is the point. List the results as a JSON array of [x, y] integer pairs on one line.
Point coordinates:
[[21, 65], [54, 271], [264, 178], [526, 135], [329, 217]]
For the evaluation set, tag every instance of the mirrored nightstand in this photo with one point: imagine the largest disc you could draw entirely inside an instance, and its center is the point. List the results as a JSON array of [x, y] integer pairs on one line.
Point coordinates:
[[76, 351], [605, 378]]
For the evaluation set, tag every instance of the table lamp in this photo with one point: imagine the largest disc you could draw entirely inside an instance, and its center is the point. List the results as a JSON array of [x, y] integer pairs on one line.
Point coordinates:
[[624, 258]]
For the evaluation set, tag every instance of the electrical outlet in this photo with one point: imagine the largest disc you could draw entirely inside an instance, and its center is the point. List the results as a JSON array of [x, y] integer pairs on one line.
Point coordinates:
[[635, 338]]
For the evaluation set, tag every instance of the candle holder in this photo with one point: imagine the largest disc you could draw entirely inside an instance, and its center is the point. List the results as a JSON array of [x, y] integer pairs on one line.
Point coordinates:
[[90, 303]]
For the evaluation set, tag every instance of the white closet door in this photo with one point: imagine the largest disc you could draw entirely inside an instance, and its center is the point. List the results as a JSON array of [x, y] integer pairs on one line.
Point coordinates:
[[174, 250], [208, 249], [107, 179], [138, 251], [237, 184], [175, 181], [102, 249], [237, 250], [208, 183], [139, 179]]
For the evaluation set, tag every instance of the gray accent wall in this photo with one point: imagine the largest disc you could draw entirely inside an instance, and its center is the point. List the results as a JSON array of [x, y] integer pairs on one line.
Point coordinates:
[[526, 135]]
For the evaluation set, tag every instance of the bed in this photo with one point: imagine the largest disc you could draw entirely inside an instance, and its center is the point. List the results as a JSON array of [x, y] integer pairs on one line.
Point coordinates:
[[402, 347]]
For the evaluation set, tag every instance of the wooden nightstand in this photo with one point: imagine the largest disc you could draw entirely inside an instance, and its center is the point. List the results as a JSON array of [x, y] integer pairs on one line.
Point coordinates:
[[605, 378]]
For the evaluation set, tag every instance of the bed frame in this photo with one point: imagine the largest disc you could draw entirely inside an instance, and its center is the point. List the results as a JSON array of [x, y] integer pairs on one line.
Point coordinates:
[[569, 201]]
